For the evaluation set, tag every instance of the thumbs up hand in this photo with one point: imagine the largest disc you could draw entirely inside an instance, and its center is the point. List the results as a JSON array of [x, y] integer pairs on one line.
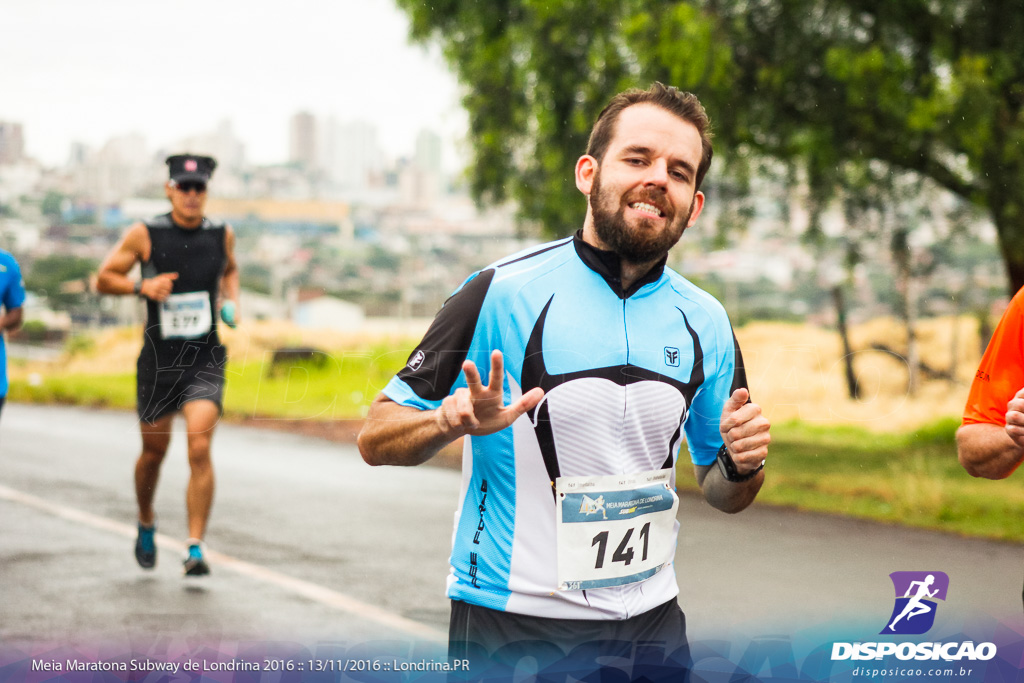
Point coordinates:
[[744, 431]]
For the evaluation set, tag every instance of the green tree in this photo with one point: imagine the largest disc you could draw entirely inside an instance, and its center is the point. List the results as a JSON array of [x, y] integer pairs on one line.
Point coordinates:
[[535, 74], [934, 88], [61, 279], [256, 277], [52, 203]]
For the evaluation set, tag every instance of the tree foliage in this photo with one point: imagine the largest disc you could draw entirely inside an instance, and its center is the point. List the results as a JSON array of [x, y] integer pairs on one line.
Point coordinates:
[[935, 88], [51, 275], [52, 204]]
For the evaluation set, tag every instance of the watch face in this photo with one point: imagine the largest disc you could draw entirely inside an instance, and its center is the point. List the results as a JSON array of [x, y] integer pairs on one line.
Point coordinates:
[[726, 465], [721, 468]]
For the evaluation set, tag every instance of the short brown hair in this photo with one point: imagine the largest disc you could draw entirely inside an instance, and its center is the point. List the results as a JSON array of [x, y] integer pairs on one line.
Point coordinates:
[[683, 104]]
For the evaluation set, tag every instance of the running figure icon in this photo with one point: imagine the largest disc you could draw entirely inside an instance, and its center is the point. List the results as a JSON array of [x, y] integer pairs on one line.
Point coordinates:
[[915, 605], [591, 506]]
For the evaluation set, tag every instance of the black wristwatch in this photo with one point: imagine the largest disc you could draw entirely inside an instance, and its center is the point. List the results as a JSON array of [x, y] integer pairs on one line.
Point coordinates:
[[137, 289], [728, 467]]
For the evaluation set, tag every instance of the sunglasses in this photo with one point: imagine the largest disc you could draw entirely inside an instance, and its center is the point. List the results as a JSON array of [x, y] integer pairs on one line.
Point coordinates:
[[189, 186]]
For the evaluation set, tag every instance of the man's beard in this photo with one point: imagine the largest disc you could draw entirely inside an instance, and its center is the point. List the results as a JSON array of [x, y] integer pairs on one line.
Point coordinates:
[[635, 244]]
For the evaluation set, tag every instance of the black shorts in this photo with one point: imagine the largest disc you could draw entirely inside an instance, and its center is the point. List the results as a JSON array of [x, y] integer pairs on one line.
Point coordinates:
[[651, 645], [196, 373]]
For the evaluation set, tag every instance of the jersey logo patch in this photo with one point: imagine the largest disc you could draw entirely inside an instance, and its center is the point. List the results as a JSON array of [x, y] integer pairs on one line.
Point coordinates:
[[416, 361], [672, 356]]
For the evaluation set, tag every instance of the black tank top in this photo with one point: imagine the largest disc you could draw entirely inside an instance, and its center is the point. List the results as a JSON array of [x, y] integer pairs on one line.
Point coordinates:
[[198, 256]]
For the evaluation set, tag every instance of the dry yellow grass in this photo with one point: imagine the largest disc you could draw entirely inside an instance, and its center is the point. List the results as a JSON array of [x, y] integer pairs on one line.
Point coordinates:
[[797, 372]]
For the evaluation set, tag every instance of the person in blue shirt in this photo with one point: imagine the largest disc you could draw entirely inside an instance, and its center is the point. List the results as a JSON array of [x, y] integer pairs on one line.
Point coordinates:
[[12, 298], [576, 369]]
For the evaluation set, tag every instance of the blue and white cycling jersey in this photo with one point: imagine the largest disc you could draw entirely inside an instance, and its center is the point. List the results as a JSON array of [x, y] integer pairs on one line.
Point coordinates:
[[625, 374]]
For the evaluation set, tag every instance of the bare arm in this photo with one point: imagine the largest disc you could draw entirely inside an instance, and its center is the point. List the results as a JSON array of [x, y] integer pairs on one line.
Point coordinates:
[[133, 248], [725, 495], [399, 435], [987, 450], [745, 433], [11, 319], [229, 281], [394, 434]]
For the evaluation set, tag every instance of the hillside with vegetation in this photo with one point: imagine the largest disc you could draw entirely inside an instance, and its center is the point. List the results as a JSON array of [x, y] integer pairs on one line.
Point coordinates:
[[888, 455]]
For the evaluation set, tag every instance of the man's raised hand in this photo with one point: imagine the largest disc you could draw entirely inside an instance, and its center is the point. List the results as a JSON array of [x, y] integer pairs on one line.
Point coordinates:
[[477, 409]]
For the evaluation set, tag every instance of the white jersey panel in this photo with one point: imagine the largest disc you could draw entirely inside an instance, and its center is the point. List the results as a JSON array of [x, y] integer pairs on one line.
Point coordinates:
[[467, 478], [532, 571], [596, 434]]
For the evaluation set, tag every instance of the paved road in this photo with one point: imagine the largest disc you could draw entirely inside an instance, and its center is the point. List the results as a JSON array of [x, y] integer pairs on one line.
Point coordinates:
[[311, 545]]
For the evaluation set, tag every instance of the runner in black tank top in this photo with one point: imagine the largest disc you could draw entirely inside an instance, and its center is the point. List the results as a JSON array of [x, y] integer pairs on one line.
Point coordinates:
[[183, 362], [189, 279]]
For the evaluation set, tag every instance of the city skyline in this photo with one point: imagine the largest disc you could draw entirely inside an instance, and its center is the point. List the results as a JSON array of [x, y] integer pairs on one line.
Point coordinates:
[[89, 73]]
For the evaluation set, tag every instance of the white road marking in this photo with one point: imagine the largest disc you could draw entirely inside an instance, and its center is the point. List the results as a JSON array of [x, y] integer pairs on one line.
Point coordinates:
[[312, 591]]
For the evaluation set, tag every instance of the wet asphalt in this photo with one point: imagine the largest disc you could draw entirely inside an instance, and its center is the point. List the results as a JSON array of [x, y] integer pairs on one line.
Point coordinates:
[[310, 546]]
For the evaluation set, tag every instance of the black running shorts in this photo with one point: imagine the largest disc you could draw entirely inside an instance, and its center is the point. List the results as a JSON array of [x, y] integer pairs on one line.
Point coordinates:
[[197, 374], [651, 645]]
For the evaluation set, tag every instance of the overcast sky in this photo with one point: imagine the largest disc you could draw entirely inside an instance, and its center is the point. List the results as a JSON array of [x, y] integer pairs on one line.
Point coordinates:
[[87, 70]]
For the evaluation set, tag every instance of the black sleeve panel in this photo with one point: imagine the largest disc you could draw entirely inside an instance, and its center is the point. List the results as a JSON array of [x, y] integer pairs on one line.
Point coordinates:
[[739, 375], [436, 363]]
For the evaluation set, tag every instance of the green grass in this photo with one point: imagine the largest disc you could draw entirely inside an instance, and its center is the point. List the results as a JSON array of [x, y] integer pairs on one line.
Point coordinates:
[[98, 391], [340, 386], [337, 386], [911, 479]]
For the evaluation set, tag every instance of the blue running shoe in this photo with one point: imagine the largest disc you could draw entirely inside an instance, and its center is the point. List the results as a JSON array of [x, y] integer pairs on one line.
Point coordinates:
[[195, 563], [145, 546]]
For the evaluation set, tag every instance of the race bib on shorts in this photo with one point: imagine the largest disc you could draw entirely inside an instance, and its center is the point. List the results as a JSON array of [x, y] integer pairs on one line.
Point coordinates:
[[185, 316], [614, 529]]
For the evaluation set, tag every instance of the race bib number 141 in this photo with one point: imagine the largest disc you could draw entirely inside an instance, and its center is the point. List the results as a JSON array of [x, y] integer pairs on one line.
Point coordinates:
[[614, 530]]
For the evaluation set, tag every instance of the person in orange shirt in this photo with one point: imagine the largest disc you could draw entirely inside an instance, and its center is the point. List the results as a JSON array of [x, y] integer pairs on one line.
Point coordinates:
[[990, 442]]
